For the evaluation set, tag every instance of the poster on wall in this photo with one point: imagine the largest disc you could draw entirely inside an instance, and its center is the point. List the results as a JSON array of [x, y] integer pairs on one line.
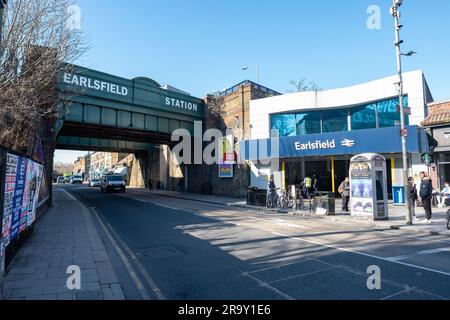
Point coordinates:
[[10, 185], [227, 157], [22, 184], [361, 188], [226, 171]]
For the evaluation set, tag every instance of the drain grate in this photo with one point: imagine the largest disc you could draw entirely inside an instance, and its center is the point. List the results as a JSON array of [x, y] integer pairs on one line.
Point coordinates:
[[160, 252]]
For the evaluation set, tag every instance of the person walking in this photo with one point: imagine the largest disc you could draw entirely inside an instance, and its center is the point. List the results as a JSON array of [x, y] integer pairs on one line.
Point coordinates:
[[150, 184], [413, 197], [344, 190], [308, 186], [425, 194]]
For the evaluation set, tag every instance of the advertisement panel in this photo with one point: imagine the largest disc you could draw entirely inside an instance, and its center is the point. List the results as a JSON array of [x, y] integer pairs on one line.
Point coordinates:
[[22, 183], [227, 157], [361, 188]]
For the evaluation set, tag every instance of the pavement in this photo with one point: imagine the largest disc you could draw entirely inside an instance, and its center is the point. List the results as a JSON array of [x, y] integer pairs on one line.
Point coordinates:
[[64, 236], [396, 213]]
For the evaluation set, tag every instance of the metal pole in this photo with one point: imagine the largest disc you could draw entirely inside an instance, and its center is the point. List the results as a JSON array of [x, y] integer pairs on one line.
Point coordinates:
[[257, 71], [396, 14]]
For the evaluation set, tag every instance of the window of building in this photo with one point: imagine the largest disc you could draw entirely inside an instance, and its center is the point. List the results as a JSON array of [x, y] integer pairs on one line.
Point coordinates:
[[388, 112], [335, 120], [308, 123], [285, 124], [363, 117]]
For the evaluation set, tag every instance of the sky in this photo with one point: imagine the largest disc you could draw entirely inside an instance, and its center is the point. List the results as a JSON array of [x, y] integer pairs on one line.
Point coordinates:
[[200, 46]]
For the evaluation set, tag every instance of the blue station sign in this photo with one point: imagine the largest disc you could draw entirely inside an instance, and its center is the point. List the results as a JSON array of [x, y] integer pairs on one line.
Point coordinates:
[[381, 140]]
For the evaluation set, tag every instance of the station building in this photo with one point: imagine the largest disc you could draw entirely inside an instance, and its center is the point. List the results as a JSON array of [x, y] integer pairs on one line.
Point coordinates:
[[318, 132]]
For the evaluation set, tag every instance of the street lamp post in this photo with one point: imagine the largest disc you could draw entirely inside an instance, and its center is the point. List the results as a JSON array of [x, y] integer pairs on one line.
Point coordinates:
[[396, 14], [253, 66]]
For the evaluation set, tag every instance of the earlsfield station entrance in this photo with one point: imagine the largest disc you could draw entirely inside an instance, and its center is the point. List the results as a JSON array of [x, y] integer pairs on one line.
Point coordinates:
[[327, 156]]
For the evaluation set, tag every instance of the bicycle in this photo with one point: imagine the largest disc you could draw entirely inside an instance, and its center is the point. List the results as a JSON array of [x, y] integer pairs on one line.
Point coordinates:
[[287, 200], [272, 198]]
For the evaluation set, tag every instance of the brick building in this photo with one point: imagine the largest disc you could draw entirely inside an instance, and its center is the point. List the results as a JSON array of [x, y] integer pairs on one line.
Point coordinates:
[[82, 165], [438, 125], [232, 111]]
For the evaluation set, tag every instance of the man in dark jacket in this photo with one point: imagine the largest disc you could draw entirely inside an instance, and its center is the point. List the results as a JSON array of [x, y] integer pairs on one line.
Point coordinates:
[[412, 197], [426, 193], [345, 188]]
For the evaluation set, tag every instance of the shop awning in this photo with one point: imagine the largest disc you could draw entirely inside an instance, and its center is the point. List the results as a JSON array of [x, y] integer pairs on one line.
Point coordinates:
[[381, 140]]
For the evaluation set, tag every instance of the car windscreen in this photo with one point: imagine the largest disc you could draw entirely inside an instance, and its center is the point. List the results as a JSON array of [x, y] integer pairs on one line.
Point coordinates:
[[114, 178]]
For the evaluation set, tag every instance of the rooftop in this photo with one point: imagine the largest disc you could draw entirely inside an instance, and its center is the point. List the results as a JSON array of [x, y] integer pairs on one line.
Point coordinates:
[[255, 85]]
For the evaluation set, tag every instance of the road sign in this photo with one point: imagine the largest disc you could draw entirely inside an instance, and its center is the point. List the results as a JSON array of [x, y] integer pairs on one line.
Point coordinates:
[[426, 158], [404, 132]]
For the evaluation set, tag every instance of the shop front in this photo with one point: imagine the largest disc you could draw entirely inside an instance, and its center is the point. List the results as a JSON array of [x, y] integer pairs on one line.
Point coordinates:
[[327, 156]]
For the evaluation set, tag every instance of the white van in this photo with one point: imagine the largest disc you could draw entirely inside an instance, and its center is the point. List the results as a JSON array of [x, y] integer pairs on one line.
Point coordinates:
[[77, 178]]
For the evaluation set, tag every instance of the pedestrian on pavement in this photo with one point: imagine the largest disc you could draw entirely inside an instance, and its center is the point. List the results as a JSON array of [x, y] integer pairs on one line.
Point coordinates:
[[413, 197], [443, 195], [425, 194], [344, 190], [315, 182], [308, 186], [150, 184]]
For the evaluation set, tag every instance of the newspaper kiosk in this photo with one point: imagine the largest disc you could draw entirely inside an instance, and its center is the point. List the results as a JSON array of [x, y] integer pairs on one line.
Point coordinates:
[[368, 185]]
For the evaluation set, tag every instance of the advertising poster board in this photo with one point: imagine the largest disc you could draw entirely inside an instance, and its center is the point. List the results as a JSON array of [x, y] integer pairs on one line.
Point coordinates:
[[10, 186], [227, 157], [22, 184], [362, 188]]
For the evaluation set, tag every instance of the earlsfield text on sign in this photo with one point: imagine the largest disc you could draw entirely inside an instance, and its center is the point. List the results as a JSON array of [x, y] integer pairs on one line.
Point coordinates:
[[88, 83]]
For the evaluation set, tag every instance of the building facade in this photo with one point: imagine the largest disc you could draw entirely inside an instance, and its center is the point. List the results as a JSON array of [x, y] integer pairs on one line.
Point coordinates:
[[233, 114], [318, 132], [438, 125]]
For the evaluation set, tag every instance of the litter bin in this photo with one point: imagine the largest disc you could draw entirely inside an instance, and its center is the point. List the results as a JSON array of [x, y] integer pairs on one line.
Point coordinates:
[[260, 197], [251, 196], [325, 203]]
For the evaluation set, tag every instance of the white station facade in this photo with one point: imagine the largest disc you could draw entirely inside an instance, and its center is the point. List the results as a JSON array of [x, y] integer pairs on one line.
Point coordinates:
[[318, 132]]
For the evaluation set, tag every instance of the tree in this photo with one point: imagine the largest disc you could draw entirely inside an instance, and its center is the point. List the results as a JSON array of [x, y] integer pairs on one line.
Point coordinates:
[[302, 85], [37, 41]]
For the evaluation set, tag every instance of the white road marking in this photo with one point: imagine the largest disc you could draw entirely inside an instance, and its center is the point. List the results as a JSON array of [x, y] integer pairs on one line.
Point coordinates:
[[432, 251], [124, 259], [303, 275], [362, 254], [147, 277], [407, 290], [399, 258], [280, 266], [268, 286], [119, 251]]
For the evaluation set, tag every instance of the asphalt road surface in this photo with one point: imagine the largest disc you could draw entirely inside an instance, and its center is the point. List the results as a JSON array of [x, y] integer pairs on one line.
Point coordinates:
[[167, 248]]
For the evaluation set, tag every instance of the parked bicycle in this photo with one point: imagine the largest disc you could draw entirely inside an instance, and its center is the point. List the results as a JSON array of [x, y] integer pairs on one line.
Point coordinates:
[[287, 200], [272, 198]]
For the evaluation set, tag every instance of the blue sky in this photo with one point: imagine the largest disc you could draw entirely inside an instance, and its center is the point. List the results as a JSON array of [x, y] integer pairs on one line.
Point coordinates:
[[200, 45]]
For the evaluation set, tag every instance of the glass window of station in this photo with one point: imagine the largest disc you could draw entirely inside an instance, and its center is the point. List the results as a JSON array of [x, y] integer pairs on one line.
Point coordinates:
[[379, 114]]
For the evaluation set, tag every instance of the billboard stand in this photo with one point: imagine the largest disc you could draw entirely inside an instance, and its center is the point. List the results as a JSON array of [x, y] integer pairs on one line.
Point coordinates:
[[2, 194]]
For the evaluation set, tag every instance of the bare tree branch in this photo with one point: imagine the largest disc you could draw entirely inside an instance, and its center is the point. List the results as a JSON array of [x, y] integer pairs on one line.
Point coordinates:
[[36, 44]]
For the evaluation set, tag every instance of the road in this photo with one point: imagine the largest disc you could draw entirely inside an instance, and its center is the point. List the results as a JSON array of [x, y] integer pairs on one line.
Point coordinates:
[[167, 248]]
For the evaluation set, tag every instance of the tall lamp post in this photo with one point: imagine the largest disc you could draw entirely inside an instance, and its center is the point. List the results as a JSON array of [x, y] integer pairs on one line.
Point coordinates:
[[395, 12], [248, 67]]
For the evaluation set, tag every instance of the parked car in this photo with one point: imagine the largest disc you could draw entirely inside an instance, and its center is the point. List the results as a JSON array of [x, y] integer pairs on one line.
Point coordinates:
[[94, 183], [76, 178], [112, 182], [60, 180]]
